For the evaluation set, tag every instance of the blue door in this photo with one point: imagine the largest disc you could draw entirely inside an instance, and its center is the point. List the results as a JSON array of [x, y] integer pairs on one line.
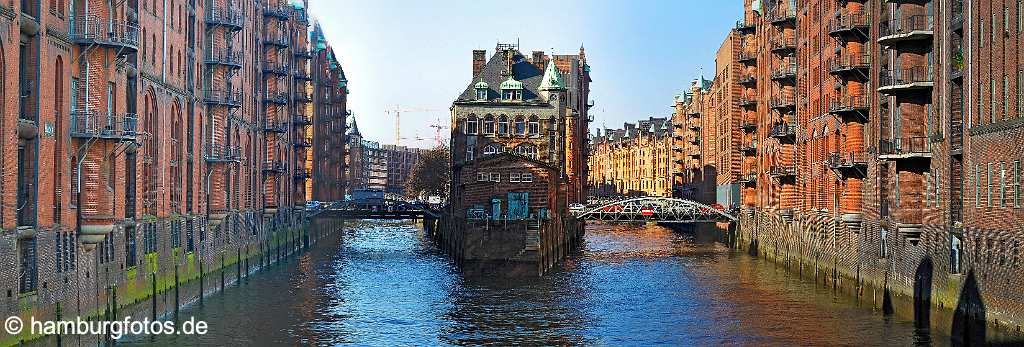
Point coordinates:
[[517, 205], [495, 209]]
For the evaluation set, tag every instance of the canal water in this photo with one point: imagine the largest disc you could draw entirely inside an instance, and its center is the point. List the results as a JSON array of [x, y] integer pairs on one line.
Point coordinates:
[[385, 284]]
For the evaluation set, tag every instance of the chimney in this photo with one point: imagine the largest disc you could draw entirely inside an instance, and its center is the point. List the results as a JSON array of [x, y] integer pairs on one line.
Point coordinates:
[[538, 60], [479, 57]]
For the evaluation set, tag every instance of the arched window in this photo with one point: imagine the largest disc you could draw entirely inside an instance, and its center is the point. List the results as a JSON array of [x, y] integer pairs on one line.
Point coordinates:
[[534, 125], [471, 125], [493, 149], [488, 125], [527, 150], [520, 125], [503, 125]]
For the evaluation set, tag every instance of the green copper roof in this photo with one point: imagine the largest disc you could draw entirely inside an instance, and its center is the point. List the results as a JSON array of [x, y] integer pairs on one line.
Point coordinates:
[[552, 78], [342, 83], [511, 83], [297, 4], [481, 84], [320, 45]]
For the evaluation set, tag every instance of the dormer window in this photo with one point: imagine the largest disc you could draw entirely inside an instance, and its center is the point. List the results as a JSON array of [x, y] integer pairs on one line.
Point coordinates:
[[511, 90], [481, 90]]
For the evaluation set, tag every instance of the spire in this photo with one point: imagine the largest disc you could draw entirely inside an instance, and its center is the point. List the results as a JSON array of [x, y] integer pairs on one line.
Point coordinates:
[[552, 78], [353, 128]]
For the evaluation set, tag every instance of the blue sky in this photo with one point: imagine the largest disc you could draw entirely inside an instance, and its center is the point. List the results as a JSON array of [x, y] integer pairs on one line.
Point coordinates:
[[416, 54]]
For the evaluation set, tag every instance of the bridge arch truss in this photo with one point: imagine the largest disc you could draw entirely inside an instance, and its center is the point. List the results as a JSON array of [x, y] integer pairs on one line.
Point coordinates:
[[655, 209]]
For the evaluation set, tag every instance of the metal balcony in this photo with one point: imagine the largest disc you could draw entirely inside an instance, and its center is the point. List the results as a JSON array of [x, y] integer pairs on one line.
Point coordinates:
[[279, 68], [219, 153], [302, 143], [745, 28], [276, 9], [748, 125], [745, 57], [918, 147], [749, 149], [782, 171], [278, 98], [850, 108], [783, 103], [849, 26], [223, 98], [273, 167], [695, 140], [694, 113], [783, 45], [303, 53], [918, 78], [694, 154], [956, 20], [302, 96], [223, 56], [228, 18], [784, 132], [280, 40], [91, 124], [694, 126], [119, 34], [749, 81], [301, 120], [302, 75], [300, 174], [850, 66], [301, 18], [748, 102], [782, 16], [916, 28], [749, 179], [274, 126], [784, 73], [853, 164]]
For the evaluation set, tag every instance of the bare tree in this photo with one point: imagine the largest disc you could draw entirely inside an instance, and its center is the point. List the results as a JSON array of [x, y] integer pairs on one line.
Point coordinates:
[[431, 175]]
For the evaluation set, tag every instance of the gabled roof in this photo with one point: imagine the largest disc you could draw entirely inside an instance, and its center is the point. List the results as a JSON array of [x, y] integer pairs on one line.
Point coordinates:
[[493, 74], [552, 79]]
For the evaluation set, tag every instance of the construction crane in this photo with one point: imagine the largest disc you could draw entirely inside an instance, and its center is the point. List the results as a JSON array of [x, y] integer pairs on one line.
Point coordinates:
[[438, 125], [397, 113]]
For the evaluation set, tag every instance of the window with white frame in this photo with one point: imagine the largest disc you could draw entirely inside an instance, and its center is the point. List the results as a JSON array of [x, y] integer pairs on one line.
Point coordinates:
[[481, 94], [481, 177], [469, 153], [1016, 184], [526, 177], [488, 127], [495, 177], [471, 125], [527, 150], [492, 149], [988, 198], [534, 127], [514, 177], [503, 125], [1002, 184], [520, 125]]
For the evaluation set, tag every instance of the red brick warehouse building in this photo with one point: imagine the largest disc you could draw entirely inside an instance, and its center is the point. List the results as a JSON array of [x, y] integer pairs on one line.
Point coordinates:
[[882, 138], [148, 136]]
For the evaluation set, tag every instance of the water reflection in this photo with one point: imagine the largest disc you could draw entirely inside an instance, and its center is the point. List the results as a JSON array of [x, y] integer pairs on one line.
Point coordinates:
[[384, 284]]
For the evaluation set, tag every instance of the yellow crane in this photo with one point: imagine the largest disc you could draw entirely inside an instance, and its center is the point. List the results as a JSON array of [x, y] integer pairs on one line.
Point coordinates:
[[397, 113]]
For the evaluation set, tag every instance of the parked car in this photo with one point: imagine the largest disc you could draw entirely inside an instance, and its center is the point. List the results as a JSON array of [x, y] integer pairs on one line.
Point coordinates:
[[313, 205]]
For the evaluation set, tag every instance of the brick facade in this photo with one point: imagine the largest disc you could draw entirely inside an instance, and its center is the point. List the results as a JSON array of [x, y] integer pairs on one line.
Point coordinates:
[[889, 131], [636, 160], [146, 133]]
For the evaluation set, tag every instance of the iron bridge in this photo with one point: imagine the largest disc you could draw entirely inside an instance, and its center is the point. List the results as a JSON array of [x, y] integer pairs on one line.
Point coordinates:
[[384, 209], [653, 209]]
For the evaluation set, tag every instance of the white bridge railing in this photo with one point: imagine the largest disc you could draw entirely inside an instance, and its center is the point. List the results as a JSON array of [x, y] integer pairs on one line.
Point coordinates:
[[654, 209]]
